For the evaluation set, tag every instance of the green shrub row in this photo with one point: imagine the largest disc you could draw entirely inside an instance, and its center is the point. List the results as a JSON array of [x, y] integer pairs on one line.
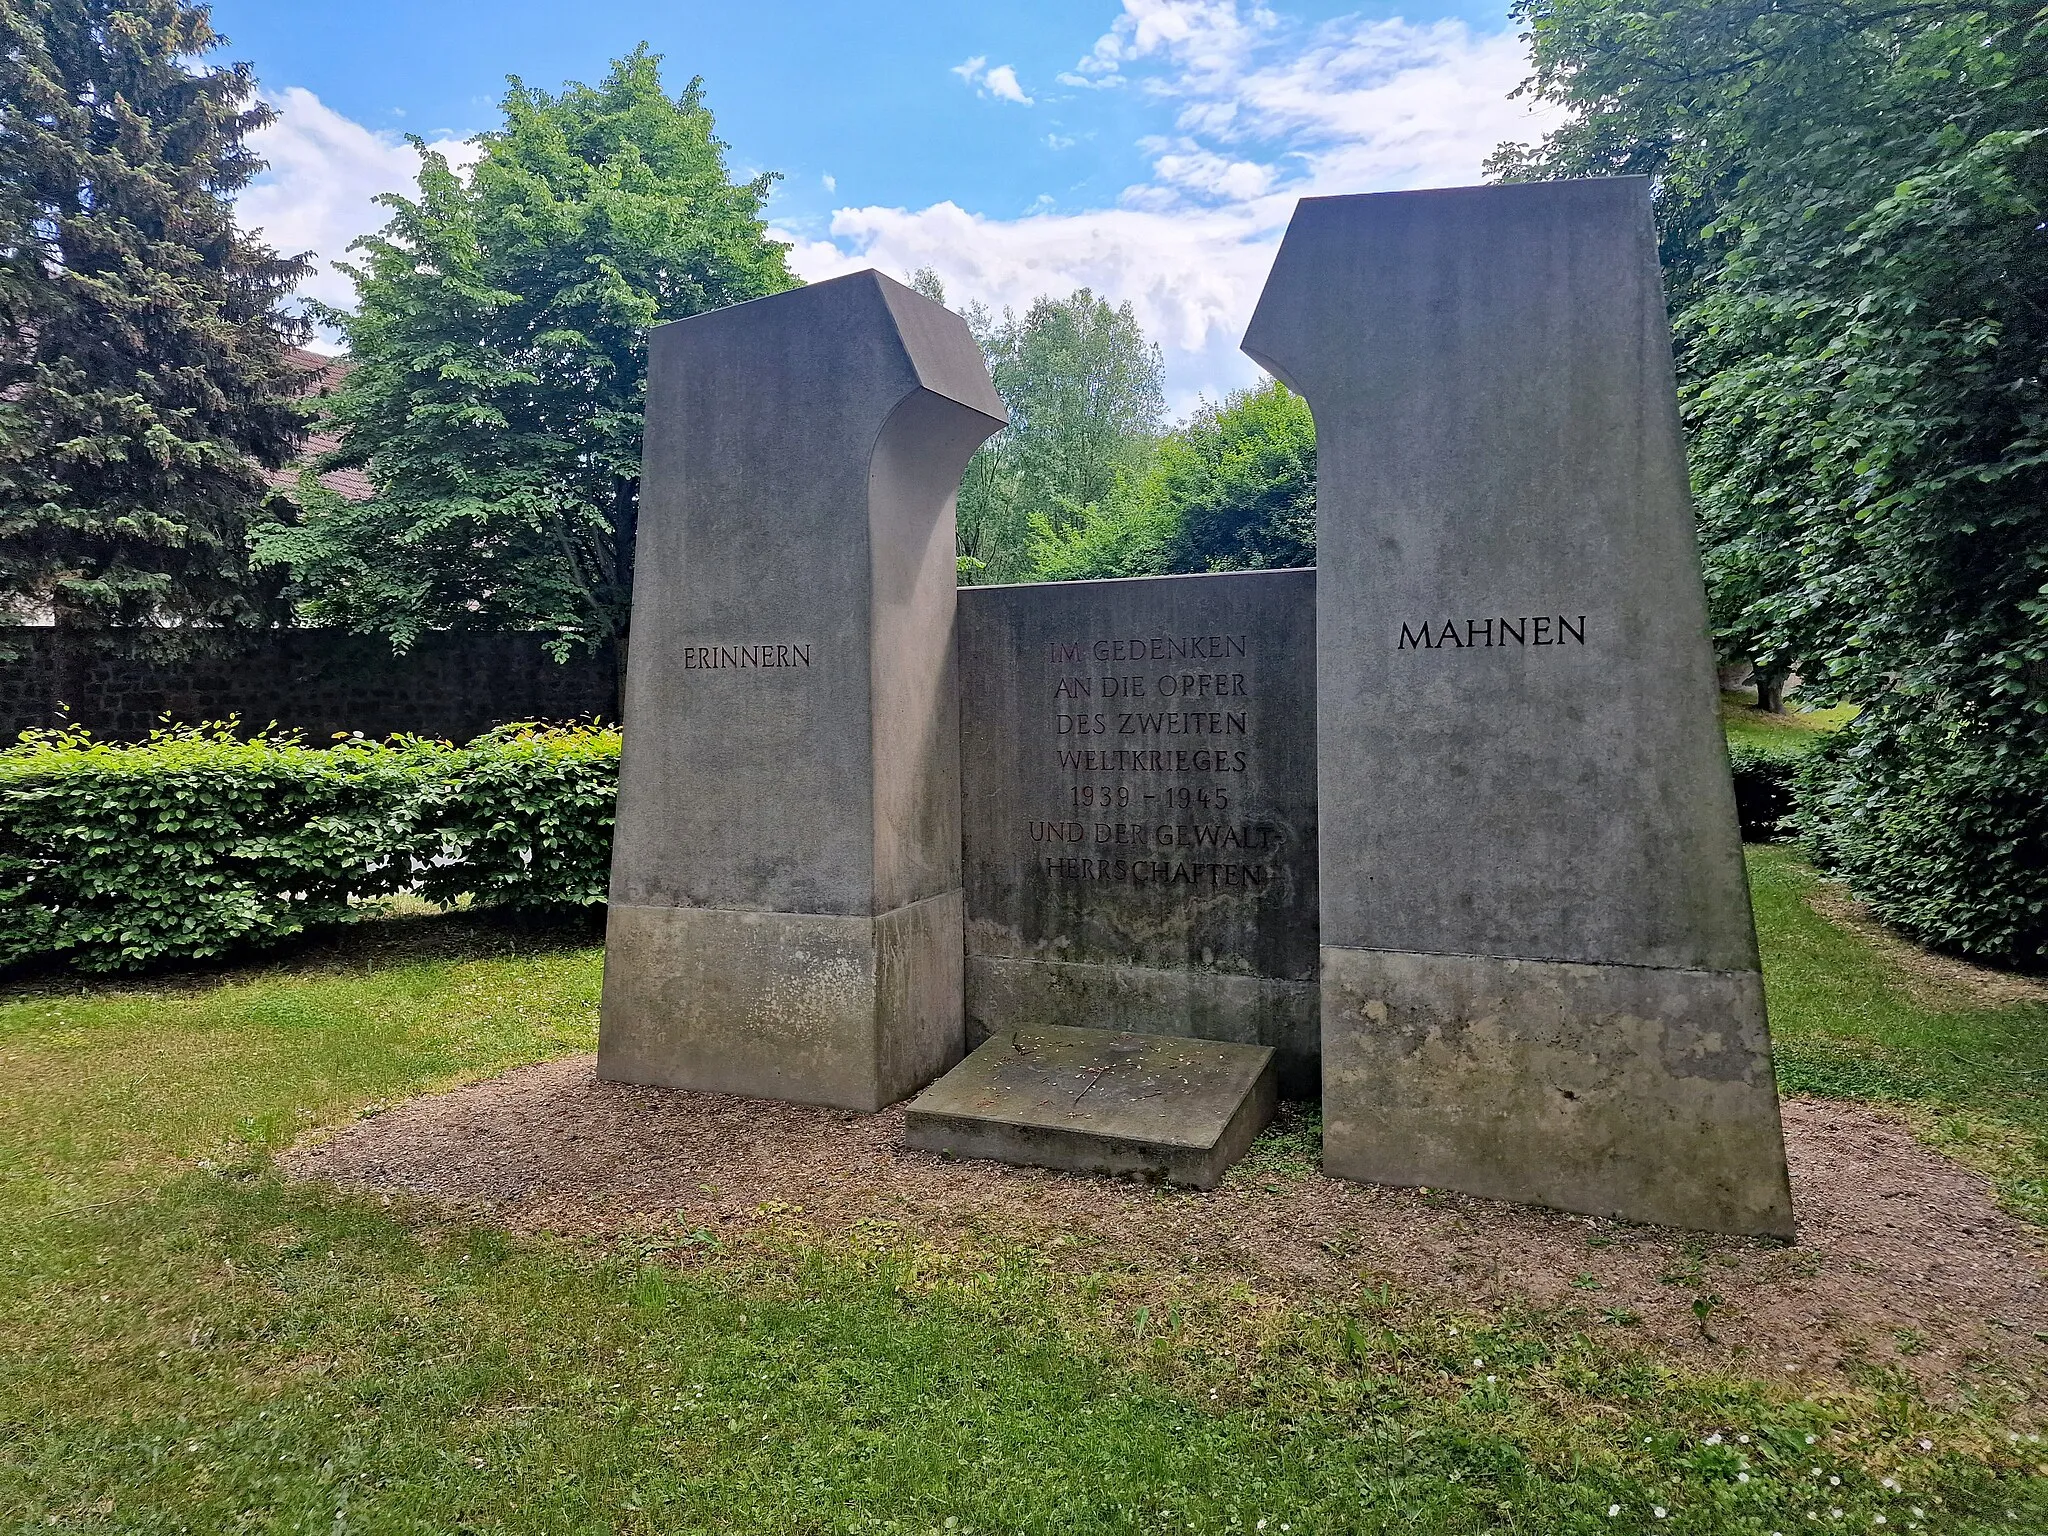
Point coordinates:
[[197, 842], [1940, 826]]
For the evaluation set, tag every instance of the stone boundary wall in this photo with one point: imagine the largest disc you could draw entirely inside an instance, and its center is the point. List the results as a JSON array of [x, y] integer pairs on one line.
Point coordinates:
[[121, 684]]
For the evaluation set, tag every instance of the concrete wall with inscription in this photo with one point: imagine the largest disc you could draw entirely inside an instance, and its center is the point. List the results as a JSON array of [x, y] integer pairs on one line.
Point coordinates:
[[1139, 808]]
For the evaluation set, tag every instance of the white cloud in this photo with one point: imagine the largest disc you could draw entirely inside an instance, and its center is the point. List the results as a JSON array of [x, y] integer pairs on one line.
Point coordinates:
[[1263, 111], [1002, 84], [1204, 39], [831, 182], [1190, 274], [325, 169], [999, 82]]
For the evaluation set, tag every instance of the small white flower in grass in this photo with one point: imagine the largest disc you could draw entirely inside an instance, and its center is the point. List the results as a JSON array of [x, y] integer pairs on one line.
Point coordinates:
[[1491, 1380], [1742, 1477], [1810, 1439], [1714, 1438], [1658, 1511], [1892, 1483], [1478, 1361], [1834, 1482], [1879, 1519], [1742, 1439], [1834, 1514], [1613, 1510], [1926, 1445], [1262, 1522]]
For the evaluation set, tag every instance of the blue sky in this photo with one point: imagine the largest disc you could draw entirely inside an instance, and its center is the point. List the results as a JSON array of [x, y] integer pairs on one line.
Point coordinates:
[[1150, 149]]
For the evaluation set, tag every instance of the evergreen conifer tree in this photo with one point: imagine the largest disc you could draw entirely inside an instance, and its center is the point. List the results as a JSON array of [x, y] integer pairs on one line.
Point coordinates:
[[144, 377]]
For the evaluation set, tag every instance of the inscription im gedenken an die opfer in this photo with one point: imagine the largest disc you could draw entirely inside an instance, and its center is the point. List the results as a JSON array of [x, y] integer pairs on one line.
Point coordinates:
[[1152, 696]]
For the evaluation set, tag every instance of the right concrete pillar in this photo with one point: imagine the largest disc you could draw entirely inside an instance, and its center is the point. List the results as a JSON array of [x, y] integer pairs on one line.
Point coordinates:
[[1539, 969]]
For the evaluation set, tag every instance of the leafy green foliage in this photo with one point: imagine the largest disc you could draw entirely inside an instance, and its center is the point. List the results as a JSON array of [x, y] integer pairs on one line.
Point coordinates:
[[1851, 201], [1082, 387], [526, 820], [197, 844], [501, 363], [144, 384], [1232, 489], [1942, 828]]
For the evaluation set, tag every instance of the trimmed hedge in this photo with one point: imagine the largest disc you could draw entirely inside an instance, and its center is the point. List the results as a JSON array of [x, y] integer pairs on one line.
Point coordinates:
[[1942, 827], [196, 842], [526, 820]]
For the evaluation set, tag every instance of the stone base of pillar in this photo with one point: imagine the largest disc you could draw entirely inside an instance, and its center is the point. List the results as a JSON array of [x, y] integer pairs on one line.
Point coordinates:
[[1635, 1092], [852, 1012]]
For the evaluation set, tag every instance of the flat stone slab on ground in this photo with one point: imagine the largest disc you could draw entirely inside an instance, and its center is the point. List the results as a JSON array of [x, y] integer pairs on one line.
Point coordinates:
[[1100, 1101]]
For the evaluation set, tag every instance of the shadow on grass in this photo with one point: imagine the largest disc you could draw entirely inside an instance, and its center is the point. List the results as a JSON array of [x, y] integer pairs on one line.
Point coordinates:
[[376, 941]]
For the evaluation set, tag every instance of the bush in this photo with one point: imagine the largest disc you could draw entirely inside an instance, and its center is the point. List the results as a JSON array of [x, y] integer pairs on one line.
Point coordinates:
[[1942, 829], [526, 820], [1765, 783], [196, 843]]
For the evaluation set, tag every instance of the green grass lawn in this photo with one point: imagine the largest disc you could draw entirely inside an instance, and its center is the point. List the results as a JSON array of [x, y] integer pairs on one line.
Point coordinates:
[[187, 1343], [1745, 724]]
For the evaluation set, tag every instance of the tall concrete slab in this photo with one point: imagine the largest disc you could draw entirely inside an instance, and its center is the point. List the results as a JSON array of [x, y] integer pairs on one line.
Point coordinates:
[[786, 904], [1539, 972], [1139, 821]]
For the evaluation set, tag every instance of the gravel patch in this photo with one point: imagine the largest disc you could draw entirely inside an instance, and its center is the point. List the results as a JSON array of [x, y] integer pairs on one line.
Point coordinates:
[[1902, 1256]]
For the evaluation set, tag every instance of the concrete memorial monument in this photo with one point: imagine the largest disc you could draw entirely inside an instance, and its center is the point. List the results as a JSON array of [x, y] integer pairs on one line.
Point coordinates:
[[1443, 827], [1539, 972], [785, 906]]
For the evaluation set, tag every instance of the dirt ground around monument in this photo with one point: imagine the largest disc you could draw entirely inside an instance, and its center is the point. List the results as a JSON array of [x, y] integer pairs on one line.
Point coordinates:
[[1903, 1260]]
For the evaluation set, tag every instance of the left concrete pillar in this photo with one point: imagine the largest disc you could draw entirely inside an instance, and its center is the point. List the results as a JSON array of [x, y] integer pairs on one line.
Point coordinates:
[[785, 905]]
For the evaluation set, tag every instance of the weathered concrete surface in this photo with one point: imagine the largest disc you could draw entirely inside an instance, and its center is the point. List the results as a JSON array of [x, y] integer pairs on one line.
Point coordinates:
[[1519, 753], [791, 701], [854, 1012], [1098, 1101], [1205, 1005], [1617, 1090], [1138, 767]]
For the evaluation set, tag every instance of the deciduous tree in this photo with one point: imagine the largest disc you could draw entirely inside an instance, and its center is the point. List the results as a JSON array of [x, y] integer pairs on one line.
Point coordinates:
[[1851, 196], [500, 355], [1083, 388]]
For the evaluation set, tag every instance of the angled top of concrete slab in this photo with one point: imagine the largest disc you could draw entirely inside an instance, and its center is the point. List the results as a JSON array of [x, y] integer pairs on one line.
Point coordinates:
[[1160, 1089]]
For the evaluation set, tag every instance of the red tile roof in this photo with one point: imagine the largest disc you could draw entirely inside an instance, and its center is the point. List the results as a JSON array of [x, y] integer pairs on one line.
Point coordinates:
[[323, 374]]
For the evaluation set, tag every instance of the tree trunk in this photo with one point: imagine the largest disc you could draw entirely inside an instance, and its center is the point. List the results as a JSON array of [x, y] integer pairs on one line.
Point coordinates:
[[1770, 692], [71, 663]]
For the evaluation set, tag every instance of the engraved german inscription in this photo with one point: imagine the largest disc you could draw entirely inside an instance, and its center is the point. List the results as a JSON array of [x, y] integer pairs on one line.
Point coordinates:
[[1490, 634], [734, 658]]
